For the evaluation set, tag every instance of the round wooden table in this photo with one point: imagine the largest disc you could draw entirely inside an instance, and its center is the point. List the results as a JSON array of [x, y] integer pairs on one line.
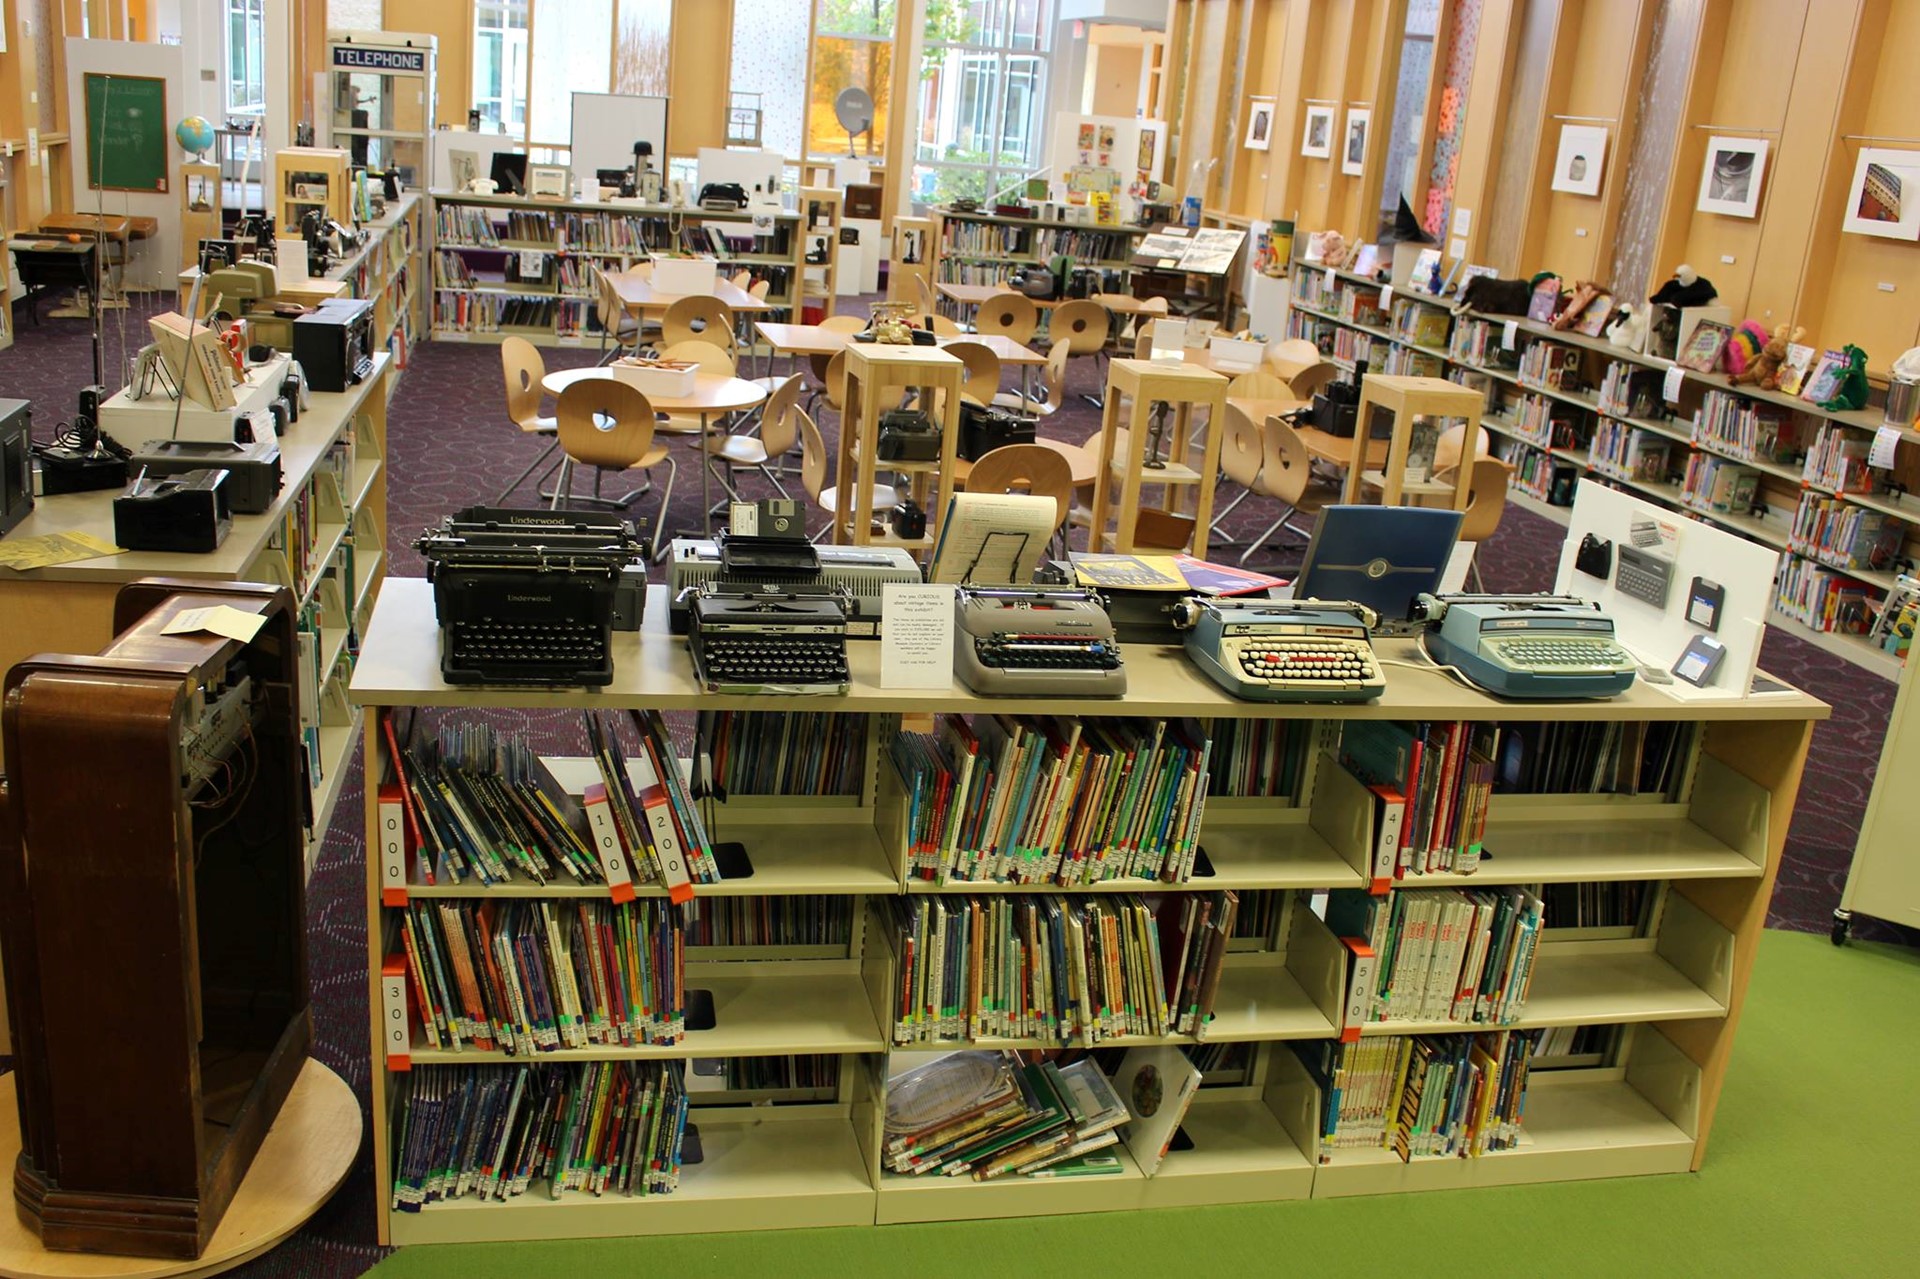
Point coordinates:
[[712, 394]]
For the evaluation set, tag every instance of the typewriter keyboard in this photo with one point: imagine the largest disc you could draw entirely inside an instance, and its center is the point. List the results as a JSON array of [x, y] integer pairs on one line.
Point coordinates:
[[751, 662], [1312, 661], [1564, 656], [557, 652], [1047, 653]]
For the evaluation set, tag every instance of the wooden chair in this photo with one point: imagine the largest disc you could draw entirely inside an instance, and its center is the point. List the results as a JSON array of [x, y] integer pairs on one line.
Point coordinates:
[[524, 369], [1086, 327], [712, 361], [619, 332], [777, 436], [705, 318], [1056, 386], [1025, 468], [625, 443], [1009, 314], [815, 466], [946, 328], [1290, 356], [848, 324], [929, 300], [1486, 503], [759, 289], [981, 380], [1259, 386], [741, 280], [1286, 475], [1307, 381], [1446, 453]]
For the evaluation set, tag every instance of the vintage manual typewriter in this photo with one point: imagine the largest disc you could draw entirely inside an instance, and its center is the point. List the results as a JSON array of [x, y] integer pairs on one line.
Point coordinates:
[[1056, 643], [532, 597], [1527, 646], [1285, 650], [789, 638]]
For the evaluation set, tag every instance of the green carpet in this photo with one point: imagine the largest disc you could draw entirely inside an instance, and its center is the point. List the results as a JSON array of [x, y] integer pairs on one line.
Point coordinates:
[[1813, 1168]]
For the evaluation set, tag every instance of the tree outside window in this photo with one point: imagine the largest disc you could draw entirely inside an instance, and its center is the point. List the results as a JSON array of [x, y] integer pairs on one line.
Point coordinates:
[[982, 94], [852, 46]]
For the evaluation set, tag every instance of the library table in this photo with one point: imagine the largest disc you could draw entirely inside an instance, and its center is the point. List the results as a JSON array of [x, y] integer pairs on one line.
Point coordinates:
[[812, 339]]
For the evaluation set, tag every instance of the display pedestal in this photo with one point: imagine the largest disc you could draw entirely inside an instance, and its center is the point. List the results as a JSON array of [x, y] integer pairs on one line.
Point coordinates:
[[306, 1155]]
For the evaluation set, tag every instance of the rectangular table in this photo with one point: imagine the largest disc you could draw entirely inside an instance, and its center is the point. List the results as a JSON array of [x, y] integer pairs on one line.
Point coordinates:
[[808, 340]]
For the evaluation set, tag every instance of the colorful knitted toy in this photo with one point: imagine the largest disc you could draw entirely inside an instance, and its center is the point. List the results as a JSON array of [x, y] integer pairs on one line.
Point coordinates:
[[1743, 348]]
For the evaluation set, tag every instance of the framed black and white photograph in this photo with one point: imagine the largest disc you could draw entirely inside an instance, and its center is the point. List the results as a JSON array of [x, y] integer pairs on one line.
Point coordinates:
[[1316, 139], [1260, 124], [1581, 159], [1730, 183], [547, 181], [1885, 197], [1353, 147]]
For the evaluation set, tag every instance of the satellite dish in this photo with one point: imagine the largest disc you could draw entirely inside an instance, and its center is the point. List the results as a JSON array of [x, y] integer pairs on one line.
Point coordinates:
[[854, 109]]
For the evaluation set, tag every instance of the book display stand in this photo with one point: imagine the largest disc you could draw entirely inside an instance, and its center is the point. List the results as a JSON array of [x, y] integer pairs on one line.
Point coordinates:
[[876, 377], [1142, 452], [1670, 988]]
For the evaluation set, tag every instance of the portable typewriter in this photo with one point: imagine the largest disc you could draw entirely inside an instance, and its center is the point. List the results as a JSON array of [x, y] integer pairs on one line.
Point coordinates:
[[1527, 646], [1284, 650], [1037, 642], [789, 638], [532, 597]]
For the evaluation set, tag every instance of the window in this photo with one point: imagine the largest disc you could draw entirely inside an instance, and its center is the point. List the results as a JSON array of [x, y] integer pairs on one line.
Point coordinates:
[[500, 65], [642, 49], [852, 46], [246, 57], [570, 43], [983, 89], [770, 62]]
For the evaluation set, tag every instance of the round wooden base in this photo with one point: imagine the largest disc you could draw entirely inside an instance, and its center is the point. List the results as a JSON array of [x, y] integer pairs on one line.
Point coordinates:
[[301, 1163]]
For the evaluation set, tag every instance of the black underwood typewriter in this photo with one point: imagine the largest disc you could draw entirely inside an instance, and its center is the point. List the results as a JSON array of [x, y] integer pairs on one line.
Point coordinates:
[[789, 638], [1036, 642], [532, 597]]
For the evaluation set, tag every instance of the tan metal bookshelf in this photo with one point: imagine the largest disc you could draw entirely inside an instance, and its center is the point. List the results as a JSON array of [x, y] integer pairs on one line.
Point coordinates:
[[1676, 984]]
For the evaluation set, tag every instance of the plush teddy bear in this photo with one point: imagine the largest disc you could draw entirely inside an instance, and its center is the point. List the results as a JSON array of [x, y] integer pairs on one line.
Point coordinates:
[[1764, 370]]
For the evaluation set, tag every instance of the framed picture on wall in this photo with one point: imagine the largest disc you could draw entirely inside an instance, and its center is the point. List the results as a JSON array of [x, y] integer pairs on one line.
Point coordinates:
[[1260, 124], [1316, 139], [1582, 156], [1885, 197], [1730, 183], [1353, 147]]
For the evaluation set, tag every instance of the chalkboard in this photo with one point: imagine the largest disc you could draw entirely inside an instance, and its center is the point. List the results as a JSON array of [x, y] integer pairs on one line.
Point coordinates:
[[127, 132]]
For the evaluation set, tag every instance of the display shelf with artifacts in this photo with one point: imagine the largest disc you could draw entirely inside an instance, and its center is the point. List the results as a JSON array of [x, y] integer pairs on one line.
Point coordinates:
[[508, 265], [983, 248], [319, 534], [1631, 899], [310, 179], [820, 218], [1562, 402]]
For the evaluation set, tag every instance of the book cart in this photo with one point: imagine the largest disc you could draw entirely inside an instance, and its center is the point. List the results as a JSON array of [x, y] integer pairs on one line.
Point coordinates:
[[1674, 985], [1774, 468]]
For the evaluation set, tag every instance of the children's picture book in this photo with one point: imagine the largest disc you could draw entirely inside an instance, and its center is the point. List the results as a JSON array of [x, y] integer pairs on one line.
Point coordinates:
[[1824, 379], [1545, 301], [1793, 369], [1704, 344]]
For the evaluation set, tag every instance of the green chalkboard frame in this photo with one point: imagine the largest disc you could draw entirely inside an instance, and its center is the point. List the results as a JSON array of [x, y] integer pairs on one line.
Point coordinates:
[[126, 168]]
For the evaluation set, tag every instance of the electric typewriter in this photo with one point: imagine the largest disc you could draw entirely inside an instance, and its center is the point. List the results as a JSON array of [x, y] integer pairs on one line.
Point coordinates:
[[1015, 641], [533, 597], [1527, 646], [788, 638], [1284, 650]]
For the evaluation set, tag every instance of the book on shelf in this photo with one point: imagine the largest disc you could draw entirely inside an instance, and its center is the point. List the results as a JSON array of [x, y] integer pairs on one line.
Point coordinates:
[[1044, 799], [1444, 771], [529, 977], [1894, 622], [493, 1132], [1439, 954], [1838, 460], [1088, 969], [1821, 598], [1751, 430], [1719, 485], [1158, 1085], [987, 1115], [1842, 535], [1455, 1095]]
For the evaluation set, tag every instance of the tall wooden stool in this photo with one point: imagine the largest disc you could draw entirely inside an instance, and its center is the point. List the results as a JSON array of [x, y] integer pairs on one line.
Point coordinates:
[[1118, 480], [1407, 398], [877, 378]]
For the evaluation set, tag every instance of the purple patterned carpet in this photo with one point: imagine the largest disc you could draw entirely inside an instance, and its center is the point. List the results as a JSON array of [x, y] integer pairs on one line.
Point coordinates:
[[450, 445]]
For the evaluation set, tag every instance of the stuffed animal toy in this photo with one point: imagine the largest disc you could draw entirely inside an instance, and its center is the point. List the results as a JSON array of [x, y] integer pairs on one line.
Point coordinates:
[[1582, 296], [1763, 370], [1628, 327], [1742, 349], [1490, 296], [1327, 248], [1687, 288], [1851, 393]]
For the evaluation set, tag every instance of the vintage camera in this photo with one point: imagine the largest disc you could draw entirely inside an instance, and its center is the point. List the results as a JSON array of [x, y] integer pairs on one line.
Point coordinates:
[[908, 435], [908, 520]]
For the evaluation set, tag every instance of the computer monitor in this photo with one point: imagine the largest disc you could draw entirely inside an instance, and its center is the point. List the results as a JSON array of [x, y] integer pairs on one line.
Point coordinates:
[[509, 173], [1380, 556]]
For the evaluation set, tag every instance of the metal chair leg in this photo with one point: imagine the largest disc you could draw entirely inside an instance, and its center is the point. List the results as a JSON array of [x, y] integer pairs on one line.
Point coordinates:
[[1259, 542], [522, 478], [1213, 531]]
